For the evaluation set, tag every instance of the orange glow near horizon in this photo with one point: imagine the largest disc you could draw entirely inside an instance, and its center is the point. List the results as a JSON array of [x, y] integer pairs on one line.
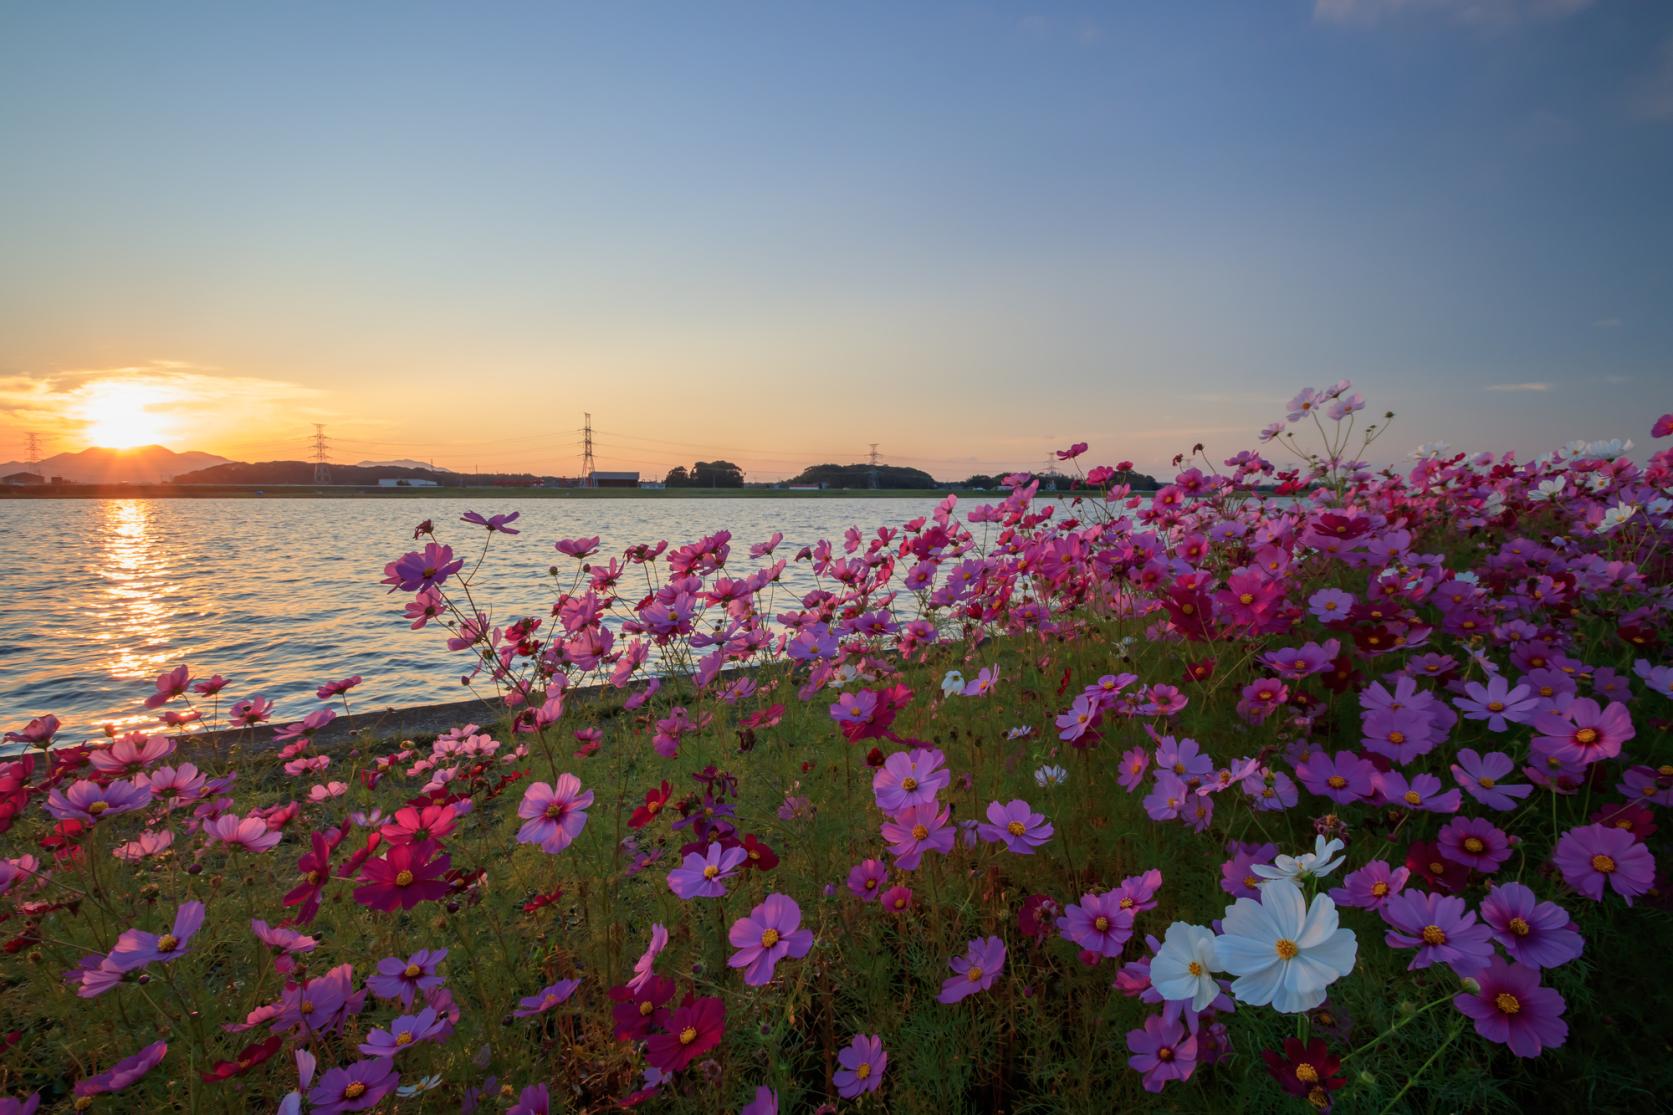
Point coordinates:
[[123, 415]]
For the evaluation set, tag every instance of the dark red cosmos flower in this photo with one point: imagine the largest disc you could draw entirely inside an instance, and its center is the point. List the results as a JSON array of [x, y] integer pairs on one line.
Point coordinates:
[[248, 1058], [761, 856], [1424, 858], [639, 1013], [695, 1028], [1308, 1070], [404, 877], [541, 901], [315, 867], [654, 801]]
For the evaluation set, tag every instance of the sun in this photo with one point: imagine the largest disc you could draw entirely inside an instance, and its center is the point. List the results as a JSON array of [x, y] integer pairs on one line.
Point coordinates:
[[124, 414]]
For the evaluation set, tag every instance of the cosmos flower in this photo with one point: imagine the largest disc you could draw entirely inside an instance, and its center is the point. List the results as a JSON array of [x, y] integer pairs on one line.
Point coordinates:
[[546, 998], [1324, 859], [1441, 928], [1474, 842], [361, 1085], [1017, 826], [1370, 886], [1594, 856], [405, 876], [400, 979], [771, 932], [1284, 950], [704, 875], [127, 1071], [909, 778], [694, 1028], [860, 1066], [553, 815], [1182, 969], [1511, 1008], [1482, 777], [1538, 934], [975, 971], [1162, 1052], [136, 948], [1097, 923], [89, 802]]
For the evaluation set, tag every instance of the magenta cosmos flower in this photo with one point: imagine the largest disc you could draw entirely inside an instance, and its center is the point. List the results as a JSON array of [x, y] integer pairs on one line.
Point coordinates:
[[136, 948], [1441, 928], [1482, 777], [771, 932], [867, 878], [1017, 826], [860, 1066], [1582, 733], [363, 1084], [89, 802], [401, 979], [1162, 1052], [644, 969], [975, 971], [1474, 842], [553, 815], [125, 1072], [915, 830], [1513, 1009], [1594, 855], [1098, 923], [704, 875], [249, 833], [1538, 934], [1371, 886], [910, 778], [404, 877], [694, 1028]]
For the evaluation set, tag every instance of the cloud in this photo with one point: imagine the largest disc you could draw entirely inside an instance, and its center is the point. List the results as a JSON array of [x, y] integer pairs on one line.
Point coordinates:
[[1653, 98], [1470, 13], [1519, 387]]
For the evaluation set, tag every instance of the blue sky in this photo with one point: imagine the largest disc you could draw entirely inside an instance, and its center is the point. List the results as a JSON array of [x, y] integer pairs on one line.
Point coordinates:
[[967, 232]]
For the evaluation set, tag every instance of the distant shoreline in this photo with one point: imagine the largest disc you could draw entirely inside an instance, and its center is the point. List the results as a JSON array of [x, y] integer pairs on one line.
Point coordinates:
[[344, 491]]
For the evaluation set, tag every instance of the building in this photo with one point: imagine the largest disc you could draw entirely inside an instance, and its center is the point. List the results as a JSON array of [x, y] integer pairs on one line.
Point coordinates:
[[652, 485], [22, 479], [403, 482], [596, 479]]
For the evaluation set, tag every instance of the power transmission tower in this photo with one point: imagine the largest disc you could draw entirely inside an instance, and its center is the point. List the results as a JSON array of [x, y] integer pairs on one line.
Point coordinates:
[[588, 466], [322, 463], [34, 453], [872, 475]]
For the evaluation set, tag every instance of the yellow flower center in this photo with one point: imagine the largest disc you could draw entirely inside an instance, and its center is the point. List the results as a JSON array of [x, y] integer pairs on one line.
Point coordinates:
[[307, 1007], [1585, 737], [1126, 903], [404, 1037], [1486, 783], [710, 871], [1436, 867], [1519, 926], [1507, 1003], [1251, 882], [863, 1071], [1306, 1073], [1194, 968], [404, 879], [1101, 924], [1246, 598], [98, 807], [1016, 828], [919, 832], [1413, 798], [1397, 737], [909, 783], [1165, 1053], [900, 903], [168, 942], [1474, 845], [769, 938], [1603, 863], [412, 971], [973, 973], [1434, 935], [354, 1090], [871, 884], [1379, 890], [1336, 782], [688, 1035], [1495, 706], [645, 1008], [1286, 949]]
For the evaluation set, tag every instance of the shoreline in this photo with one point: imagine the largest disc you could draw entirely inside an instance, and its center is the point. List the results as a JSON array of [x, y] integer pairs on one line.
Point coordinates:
[[345, 491]]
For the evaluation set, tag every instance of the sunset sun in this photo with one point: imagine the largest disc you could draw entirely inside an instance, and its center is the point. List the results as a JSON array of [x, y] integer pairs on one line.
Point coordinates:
[[122, 415]]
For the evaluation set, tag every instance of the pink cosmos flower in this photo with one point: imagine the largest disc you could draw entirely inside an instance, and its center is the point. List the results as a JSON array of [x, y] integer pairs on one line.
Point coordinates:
[[131, 754], [249, 833], [125, 1072], [402, 979], [1582, 733], [1474, 842], [1162, 1052], [1015, 825], [771, 932], [704, 875], [250, 711], [1498, 702], [1370, 886], [1538, 934], [535, 1099], [1593, 856], [545, 999], [1133, 765], [90, 802], [915, 830], [553, 816], [645, 967], [866, 879], [1441, 928], [1098, 923], [1513, 1009], [146, 845], [897, 899], [1137, 893], [136, 948], [170, 684], [909, 778], [860, 1066], [975, 971]]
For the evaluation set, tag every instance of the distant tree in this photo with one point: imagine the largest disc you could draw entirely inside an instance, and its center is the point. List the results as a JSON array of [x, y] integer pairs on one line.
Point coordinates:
[[716, 474], [980, 480], [677, 477], [861, 475]]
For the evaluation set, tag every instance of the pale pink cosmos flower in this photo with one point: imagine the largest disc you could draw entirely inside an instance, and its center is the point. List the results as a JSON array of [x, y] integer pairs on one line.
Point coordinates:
[[250, 833]]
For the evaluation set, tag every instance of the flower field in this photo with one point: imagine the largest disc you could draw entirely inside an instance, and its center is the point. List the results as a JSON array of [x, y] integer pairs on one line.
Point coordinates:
[[1302, 785]]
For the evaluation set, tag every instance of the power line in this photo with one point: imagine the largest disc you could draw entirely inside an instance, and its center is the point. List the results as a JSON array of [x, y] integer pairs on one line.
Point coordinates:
[[322, 465], [34, 453]]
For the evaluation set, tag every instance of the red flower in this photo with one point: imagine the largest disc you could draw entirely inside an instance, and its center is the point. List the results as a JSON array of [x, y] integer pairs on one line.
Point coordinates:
[[251, 1056], [696, 1027], [654, 801], [315, 867], [760, 856], [404, 877], [541, 901], [1305, 1070], [639, 1013]]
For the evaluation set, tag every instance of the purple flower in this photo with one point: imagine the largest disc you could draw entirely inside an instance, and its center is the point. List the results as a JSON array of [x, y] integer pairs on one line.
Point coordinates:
[[1344, 778], [1538, 934], [399, 979], [1097, 923], [1482, 777], [1512, 1008], [1133, 765], [363, 1084], [766, 1100], [1402, 734], [535, 1099], [1422, 792], [90, 802], [1594, 855], [1137, 893], [1164, 802], [1162, 1052], [1582, 732], [553, 815], [910, 778], [704, 875], [915, 830], [771, 932], [422, 569], [1331, 605], [545, 999], [1371, 886], [122, 1073], [975, 971], [409, 1029], [1475, 842], [867, 878], [135, 948], [501, 523], [1498, 703], [860, 1066], [1441, 928], [1017, 826]]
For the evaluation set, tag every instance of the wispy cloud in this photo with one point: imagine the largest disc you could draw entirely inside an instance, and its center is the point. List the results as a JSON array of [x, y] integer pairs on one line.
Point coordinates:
[[1471, 13], [1519, 387]]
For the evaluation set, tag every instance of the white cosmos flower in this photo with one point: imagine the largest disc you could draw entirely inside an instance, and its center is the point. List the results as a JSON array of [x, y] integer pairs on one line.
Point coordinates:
[[1315, 864], [1615, 516], [1548, 489], [1051, 776], [1183, 967], [1283, 951], [953, 684]]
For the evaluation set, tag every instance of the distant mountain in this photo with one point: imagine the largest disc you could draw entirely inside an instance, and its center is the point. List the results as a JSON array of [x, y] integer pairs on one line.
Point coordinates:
[[150, 464], [403, 463]]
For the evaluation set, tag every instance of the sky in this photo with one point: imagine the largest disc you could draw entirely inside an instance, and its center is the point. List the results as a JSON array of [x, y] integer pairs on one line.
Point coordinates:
[[969, 233]]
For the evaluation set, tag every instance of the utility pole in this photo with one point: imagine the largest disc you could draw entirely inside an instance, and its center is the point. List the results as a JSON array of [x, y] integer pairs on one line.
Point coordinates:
[[872, 476], [588, 466], [34, 453], [322, 463]]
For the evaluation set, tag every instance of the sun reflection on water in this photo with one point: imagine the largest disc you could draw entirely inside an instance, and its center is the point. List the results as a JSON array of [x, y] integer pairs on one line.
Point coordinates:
[[133, 626]]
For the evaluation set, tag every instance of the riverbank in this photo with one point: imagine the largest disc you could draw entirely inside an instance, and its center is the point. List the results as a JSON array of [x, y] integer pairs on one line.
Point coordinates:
[[344, 491]]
